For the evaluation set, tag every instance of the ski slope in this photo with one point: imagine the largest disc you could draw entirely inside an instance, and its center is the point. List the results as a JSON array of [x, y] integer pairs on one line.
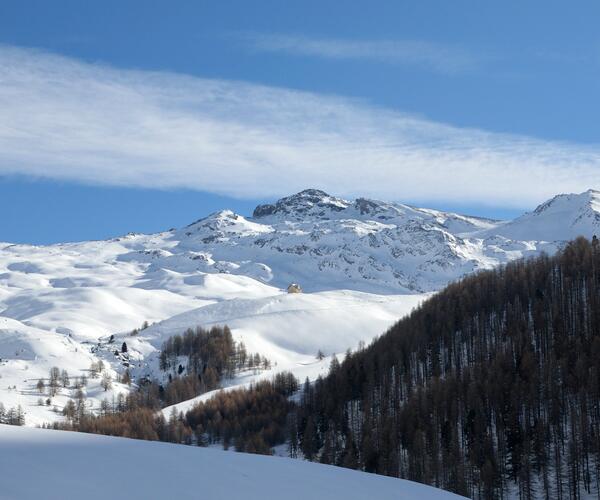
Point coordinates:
[[58, 465]]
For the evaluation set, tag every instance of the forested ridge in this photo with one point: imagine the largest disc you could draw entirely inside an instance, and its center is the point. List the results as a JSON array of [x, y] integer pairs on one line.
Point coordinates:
[[491, 388]]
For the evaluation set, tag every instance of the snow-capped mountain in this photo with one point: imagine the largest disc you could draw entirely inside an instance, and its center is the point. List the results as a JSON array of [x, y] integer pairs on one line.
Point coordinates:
[[326, 242], [362, 264], [564, 217]]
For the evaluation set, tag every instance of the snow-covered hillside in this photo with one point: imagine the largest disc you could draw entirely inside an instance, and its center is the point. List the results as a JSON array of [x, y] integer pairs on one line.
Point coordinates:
[[564, 217], [27, 354], [39, 463], [290, 328], [363, 264]]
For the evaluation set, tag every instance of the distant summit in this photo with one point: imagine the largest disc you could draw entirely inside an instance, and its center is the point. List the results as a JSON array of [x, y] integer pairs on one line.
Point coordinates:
[[563, 217], [309, 201]]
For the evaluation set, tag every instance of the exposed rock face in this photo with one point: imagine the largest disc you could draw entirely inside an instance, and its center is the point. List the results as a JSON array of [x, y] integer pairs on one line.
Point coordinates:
[[310, 202]]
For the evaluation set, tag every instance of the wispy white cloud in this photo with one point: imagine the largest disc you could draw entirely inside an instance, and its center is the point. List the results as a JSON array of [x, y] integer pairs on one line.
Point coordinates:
[[64, 119], [432, 56]]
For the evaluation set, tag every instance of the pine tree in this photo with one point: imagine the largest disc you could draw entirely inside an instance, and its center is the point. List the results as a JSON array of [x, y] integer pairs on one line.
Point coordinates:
[[310, 444]]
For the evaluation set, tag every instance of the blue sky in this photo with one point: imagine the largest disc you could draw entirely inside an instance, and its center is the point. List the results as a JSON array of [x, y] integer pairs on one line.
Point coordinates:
[[143, 115]]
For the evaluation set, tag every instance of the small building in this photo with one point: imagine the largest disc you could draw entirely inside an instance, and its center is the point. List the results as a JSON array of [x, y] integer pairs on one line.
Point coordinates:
[[294, 288]]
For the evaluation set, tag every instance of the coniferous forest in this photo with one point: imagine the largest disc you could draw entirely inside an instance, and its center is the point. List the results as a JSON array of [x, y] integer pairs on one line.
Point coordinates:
[[491, 388]]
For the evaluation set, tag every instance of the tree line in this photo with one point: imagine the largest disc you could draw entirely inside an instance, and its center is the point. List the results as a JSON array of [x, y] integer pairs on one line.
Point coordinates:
[[251, 420]]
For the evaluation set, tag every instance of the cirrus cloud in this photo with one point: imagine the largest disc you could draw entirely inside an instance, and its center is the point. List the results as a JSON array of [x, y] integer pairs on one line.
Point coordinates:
[[65, 119], [428, 55]]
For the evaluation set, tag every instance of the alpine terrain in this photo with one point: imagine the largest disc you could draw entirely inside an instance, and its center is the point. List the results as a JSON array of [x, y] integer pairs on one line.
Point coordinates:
[[361, 264]]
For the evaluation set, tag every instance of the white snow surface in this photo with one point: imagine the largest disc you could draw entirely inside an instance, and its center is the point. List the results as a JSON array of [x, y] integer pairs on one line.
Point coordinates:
[[40, 463], [564, 217], [363, 264]]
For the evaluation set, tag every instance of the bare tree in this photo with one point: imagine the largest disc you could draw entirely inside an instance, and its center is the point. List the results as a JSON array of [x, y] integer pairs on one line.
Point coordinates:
[[54, 381], [70, 409], [106, 381], [64, 378]]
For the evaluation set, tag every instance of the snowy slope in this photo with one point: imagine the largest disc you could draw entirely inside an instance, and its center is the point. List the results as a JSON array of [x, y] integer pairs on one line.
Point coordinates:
[[290, 328], [27, 354], [564, 217], [365, 263], [38, 463]]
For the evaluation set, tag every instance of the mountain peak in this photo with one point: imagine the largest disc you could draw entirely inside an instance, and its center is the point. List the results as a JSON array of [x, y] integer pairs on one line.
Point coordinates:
[[561, 218], [308, 201], [588, 200]]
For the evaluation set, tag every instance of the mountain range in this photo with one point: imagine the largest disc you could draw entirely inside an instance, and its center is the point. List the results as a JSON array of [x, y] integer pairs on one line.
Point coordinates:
[[362, 264], [327, 243]]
